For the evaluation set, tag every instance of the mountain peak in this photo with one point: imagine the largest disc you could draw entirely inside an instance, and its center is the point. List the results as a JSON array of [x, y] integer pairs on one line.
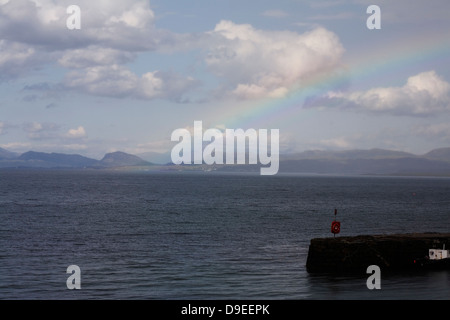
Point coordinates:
[[122, 159], [442, 154], [5, 154]]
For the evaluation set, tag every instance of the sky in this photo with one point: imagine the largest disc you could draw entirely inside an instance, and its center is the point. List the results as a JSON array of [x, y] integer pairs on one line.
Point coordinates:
[[137, 70]]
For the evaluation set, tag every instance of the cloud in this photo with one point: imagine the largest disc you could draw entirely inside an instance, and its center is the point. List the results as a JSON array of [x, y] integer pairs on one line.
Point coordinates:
[[13, 146], [258, 64], [120, 24], [33, 33], [74, 147], [94, 56], [41, 131], [275, 13], [340, 142], [333, 16], [42, 90], [423, 94], [51, 105], [16, 59], [5, 126], [251, 63], [78, 133], [160, 146], [52, 131], [114, 81], [119, 82], [49, 137]]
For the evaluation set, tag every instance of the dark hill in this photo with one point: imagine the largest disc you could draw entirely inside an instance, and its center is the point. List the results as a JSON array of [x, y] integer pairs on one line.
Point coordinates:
[[122, 159], [57, 159], [347, 155], [442, 154], [7, 155]]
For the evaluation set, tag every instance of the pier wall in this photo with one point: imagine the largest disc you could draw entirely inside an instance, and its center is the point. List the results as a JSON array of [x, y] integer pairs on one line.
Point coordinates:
[[355, 254]]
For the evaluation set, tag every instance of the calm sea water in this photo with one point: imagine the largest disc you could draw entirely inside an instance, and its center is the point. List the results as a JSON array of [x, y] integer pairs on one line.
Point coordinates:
[[204, 235]]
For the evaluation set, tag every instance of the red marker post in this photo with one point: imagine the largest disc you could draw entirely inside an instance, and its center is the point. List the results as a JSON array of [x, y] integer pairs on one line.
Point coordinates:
[[335, 225]]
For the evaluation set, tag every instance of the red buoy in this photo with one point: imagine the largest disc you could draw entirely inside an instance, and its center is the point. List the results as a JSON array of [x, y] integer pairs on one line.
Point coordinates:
[[335, 227]]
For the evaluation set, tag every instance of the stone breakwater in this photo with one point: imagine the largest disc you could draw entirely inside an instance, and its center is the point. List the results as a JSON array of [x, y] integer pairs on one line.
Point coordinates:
[[355, 254]]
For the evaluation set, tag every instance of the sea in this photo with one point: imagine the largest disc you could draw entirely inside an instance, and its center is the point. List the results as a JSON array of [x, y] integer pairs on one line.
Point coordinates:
[[205, 235]]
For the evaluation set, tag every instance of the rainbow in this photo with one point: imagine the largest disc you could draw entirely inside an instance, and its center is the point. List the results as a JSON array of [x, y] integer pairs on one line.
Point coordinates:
[[368, 68]]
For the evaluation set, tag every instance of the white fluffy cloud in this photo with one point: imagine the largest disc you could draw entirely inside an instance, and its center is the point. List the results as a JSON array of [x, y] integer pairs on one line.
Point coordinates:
[[77, 133], [113, 33], [34, 33], [118, 24], [258, 63], [252, 63], [94, 56], [117, 81], [52, 131], [423, 94]]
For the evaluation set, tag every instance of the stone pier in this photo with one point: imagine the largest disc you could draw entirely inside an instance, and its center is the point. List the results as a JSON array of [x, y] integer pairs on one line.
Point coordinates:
[[355, 254]]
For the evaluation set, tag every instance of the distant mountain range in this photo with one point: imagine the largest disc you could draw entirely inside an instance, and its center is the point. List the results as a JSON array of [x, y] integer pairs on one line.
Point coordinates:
[[373, 161], [32, 159]]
